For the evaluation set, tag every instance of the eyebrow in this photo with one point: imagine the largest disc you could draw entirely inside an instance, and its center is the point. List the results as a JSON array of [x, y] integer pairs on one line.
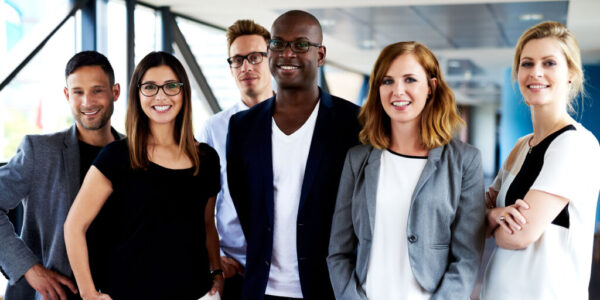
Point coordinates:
[[545, 57], [154, 82]]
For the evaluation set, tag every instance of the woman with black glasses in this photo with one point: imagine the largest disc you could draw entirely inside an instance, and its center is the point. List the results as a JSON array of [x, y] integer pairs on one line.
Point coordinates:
[[159, 187]]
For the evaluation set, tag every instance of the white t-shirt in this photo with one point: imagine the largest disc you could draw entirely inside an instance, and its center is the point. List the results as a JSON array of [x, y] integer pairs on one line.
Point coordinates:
[[290, 154], [389, 275], [558, 264]]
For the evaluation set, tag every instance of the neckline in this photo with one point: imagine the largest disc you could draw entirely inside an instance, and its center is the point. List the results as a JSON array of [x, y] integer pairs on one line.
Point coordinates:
[[407, 156], [170, 169], [549, 136]]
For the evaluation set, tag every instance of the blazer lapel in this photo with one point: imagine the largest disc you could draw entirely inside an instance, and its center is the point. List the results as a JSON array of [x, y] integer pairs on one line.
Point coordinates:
[[265, 155], [71, 162], [371, 182], [430, 168], [322, 138]]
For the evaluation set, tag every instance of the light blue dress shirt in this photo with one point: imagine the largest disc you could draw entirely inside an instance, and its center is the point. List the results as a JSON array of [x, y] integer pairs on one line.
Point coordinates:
[[231, 236]]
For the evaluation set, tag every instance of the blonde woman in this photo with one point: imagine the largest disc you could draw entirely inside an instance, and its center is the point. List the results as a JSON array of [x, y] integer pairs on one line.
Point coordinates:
[[542, 204]]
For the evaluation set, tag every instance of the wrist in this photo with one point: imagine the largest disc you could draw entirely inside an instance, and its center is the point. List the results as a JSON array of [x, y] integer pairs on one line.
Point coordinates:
[[216, 273]]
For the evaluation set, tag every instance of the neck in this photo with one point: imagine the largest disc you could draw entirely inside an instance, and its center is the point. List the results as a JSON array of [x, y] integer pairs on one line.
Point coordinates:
[[251, 100], [98, 138], [162, 134], [547, 120], [297, 97], [406, 139]]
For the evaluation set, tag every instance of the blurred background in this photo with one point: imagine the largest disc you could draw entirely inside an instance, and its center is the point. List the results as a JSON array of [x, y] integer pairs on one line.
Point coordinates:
[[473, 40]]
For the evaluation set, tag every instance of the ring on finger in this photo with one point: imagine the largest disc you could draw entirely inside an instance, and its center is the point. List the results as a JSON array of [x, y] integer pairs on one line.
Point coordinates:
[[502, 218]]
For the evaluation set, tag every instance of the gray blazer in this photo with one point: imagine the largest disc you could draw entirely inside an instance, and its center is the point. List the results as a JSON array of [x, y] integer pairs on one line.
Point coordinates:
[[44, 174], [445, 224]]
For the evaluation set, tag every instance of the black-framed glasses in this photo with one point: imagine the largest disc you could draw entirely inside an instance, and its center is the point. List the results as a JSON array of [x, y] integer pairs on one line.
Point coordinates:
[[296, 46], [252, 57], [151, 89]]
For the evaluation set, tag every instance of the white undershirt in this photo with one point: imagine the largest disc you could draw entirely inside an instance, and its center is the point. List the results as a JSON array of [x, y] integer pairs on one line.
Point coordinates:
[[389, 275], [290, 153]]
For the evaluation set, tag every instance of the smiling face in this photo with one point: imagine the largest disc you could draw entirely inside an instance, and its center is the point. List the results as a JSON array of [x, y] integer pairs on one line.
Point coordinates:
[[160, 108], [252, 80], [91, 97], [296, 70], [404, 90], [543, 74]]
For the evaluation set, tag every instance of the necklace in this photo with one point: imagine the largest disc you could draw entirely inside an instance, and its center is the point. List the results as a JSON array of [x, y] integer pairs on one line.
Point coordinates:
[[556, 127]]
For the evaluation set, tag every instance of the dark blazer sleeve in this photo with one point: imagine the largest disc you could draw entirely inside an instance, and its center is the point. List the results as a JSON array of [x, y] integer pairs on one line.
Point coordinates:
[[343, 241], [467, 240], [15, 178], [238, 184]]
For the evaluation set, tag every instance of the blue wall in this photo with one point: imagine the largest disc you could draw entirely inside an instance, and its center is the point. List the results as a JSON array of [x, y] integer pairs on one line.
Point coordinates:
[[516, 119]]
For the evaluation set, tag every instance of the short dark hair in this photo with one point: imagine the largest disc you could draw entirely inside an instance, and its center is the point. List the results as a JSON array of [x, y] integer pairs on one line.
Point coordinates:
[[245, 27], [90, 58]]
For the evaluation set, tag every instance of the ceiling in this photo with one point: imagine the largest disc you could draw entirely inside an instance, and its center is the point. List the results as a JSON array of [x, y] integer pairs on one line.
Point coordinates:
[[473, 40]]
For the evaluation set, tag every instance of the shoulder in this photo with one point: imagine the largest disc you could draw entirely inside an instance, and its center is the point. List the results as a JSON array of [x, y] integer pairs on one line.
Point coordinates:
[[49, 139], [117, 150], [579, 140], [343, 105], [460, 153], [222, 118], [205, 149], [359, 153]]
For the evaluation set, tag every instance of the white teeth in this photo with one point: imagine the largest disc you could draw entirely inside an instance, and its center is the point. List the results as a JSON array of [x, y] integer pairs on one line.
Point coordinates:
[[90, 112], [400, 103], [162, 107], [537, 86], [288, 67]]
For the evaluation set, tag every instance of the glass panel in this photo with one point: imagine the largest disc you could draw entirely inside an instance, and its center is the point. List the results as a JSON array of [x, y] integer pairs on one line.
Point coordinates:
[[112, 42], [146, 32], [33, 102], [23, 25], [209, 46], [343, 83], [200, 109]]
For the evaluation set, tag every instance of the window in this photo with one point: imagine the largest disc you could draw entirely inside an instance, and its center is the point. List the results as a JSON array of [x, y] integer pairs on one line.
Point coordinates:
[[209, 46], [33, 102], [342, 83]]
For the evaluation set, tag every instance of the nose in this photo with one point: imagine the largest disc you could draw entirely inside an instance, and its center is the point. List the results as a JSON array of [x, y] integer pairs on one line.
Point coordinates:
[[287, 51], [537, 71], [246, 65], [398, 89]]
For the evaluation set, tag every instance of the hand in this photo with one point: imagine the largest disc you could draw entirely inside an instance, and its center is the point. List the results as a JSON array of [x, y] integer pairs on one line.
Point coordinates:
[[48, 283], [490, 198], [231, 267], [97, 296], [510, 217], [218, 284]]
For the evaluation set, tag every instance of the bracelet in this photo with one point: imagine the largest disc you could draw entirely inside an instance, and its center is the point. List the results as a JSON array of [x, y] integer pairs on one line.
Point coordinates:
[[216, 272]]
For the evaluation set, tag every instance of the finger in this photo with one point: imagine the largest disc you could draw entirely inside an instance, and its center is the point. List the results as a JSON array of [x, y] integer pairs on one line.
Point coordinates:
[[67, 282], [508, 219], [521, 203], [53, 295], [505, 226], [59, 291], [213, 290], [44, 294], [515, 213]]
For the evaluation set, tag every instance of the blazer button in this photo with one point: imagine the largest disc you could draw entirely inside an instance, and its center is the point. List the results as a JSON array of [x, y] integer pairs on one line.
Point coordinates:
[[266, 263], [412, 238]]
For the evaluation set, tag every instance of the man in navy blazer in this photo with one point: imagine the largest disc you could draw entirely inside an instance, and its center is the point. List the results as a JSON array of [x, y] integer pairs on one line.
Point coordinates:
[[285, 156]]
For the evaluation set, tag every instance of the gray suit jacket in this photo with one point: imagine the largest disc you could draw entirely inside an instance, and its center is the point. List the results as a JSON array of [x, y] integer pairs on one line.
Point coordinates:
[[44, 174], [445, 224]]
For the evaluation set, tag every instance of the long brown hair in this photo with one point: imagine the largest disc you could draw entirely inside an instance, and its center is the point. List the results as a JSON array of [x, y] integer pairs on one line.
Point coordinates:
[[137, 124], [439, 117]]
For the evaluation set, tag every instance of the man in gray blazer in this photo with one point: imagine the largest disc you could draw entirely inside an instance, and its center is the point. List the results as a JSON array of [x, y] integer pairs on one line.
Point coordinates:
[[45, 175]]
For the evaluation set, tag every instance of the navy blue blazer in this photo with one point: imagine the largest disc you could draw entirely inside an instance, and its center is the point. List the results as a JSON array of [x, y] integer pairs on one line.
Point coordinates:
[[250, 177]]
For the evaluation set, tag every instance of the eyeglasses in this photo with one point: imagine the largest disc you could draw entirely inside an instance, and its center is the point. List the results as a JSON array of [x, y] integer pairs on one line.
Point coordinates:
[[296, 46], [252, 57], [151, 89]]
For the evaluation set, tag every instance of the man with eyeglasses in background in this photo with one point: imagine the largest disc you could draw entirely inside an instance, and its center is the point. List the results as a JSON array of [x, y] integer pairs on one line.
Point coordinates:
[[285, 158], [247, 49], [45, 175]]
